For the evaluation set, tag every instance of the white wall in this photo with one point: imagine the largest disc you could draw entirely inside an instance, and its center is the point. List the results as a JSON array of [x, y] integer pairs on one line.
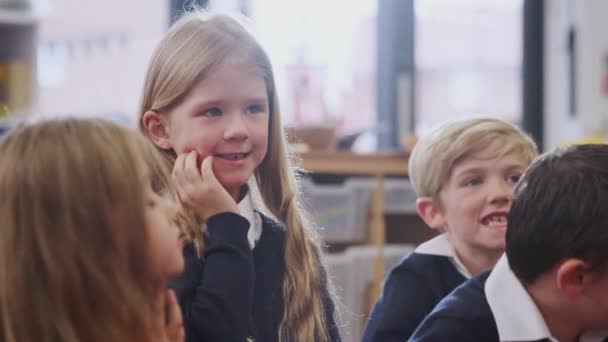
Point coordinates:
[[559, 124], [593, 49], [92, 56], [591, 114]]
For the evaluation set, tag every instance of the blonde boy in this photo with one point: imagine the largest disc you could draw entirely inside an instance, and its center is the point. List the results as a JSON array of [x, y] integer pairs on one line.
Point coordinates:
[[550, 284], [464, 173]]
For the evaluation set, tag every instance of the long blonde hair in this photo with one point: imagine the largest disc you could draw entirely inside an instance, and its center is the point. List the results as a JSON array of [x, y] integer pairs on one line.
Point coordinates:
[[194, 46], [73, 251]]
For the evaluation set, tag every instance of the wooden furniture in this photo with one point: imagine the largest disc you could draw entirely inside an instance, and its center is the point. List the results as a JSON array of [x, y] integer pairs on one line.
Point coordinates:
[[375, 165]]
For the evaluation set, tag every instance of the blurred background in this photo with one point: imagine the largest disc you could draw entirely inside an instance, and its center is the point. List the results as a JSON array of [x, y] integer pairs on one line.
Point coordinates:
[[381, 69], [357, 82], [384, 68]]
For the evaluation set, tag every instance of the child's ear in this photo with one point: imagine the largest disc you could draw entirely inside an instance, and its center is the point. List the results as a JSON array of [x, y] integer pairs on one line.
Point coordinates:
[[571, 276], [157, 129], [430, 213]]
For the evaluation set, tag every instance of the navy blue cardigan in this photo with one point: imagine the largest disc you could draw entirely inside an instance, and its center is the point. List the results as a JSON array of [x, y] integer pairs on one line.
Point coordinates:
[[411, 291], [463, 316], [234, 293]]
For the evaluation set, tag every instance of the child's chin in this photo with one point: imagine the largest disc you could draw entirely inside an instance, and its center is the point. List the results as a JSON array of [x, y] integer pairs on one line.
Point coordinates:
[[176, 272], [499, 229], [233, 182], [496, 245]]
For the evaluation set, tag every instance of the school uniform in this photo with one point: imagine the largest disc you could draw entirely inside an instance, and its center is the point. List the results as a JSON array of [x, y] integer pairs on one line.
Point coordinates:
[[234, 293], [494, 306], [412, 290]]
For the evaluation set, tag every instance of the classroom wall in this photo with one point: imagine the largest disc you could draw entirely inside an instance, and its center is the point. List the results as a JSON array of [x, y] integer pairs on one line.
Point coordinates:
[[590, 114], [92, 58]]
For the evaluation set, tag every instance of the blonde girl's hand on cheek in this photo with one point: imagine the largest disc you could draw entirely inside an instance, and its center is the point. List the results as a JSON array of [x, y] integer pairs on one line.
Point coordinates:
[[199, 188]]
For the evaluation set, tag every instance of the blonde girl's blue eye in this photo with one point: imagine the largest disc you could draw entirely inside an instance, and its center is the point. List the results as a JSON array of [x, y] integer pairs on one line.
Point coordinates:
[[212, 112], [255, 109]]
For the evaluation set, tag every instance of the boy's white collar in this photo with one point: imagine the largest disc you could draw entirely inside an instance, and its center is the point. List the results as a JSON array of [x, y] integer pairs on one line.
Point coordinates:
[[440, 245], [516, 315]]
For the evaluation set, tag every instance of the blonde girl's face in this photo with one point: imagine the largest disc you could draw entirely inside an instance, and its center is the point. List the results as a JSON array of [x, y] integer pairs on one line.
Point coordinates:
[[226, 116], [165, 243]]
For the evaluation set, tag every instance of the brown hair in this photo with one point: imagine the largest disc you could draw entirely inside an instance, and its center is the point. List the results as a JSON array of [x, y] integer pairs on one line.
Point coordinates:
[[194, 46], [73, 252]]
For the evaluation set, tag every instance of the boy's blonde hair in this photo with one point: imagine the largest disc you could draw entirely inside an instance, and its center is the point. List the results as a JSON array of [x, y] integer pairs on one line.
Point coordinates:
[[435, 154], [193, 48], [73, 249]]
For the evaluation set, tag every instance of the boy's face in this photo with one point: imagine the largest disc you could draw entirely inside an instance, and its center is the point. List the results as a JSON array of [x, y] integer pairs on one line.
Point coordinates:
[[476, 199], [596, 293]]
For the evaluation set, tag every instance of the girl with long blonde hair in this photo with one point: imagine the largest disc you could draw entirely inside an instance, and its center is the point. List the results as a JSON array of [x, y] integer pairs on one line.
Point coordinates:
[[210, 106], [87, 240]]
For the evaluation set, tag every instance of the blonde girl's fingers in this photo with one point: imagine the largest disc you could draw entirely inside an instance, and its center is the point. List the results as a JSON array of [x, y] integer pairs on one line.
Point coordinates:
[[182, 160], [178, 166], [190, 169], [177, 174], [207, 170], [183, 186]]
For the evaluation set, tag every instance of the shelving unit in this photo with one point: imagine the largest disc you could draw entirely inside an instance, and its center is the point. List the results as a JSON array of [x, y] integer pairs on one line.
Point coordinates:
[[18, 17], [377, 166], [18, 28]]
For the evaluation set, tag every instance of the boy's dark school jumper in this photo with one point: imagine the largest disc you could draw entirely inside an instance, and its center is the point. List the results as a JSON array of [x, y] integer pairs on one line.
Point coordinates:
[[489, 307], [234, 293], [411, 291], [463, 316]]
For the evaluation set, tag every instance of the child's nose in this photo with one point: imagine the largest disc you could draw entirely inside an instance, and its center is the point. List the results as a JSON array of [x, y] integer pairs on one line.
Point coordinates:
[[501, 192], [236, 129]]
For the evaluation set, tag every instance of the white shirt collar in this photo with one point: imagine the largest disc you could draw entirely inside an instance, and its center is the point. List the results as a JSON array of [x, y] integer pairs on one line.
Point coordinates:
[[440, 245], [247, 209], [516, 315], [251, 206]]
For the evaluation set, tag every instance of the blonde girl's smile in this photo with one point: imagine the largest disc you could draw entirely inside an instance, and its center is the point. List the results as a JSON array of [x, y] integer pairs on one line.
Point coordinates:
[[232, 156], [232, 160], [225, 115]]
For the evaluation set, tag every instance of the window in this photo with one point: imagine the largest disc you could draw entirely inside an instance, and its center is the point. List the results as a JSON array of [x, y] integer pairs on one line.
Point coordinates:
[[323, 54], [468, 60]]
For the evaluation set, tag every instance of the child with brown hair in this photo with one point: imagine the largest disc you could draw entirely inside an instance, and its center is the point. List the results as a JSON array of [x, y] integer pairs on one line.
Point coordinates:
[[88, 238]]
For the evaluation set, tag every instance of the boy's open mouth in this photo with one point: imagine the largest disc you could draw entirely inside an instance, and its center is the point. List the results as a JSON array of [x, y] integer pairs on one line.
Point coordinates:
[[495, 220]]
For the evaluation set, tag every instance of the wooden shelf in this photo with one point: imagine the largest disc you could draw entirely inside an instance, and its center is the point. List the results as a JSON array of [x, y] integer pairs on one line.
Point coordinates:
[[24, 16], [13, 17], [378, 165], [333, 162]]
